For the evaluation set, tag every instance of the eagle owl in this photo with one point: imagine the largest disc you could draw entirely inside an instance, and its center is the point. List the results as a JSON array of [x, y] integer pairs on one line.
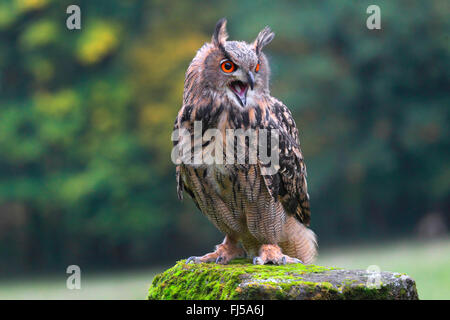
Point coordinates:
[[263, 216]]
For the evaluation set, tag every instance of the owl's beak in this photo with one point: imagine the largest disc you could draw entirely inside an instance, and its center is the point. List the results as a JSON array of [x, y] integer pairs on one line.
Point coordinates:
[[240, 88], [251, 79]]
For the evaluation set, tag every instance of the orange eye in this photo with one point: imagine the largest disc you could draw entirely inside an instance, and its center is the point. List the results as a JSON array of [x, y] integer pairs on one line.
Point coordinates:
[[228, 66], [257, 68]]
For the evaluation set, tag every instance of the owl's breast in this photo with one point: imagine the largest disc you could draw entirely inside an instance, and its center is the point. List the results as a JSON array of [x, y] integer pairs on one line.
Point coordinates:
[[221, 178], [236, 185], [225, 192]]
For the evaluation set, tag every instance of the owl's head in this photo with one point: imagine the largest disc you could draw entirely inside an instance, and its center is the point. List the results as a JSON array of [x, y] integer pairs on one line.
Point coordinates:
[[236, 68]]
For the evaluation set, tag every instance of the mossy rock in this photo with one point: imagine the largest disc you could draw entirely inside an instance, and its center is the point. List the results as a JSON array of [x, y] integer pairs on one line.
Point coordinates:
[[241, 280]]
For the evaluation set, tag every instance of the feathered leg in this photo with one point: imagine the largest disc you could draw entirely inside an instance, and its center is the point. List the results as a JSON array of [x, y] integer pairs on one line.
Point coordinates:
[[298, 241]]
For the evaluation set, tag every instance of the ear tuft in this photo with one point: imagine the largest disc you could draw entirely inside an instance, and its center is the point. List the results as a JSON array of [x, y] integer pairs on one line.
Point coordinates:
[[264, 38], [220, 32]]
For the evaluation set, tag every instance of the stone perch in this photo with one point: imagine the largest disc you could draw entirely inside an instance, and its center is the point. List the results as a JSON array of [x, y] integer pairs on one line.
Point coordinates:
[[241, 280]]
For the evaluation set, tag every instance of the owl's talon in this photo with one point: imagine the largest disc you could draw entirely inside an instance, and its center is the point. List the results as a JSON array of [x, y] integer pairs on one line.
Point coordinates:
[[290, 260], [224, 253], [271, 253], [193, 259]]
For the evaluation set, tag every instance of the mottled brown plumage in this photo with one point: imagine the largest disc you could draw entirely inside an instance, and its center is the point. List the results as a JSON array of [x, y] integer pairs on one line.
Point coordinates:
[[267, 214]]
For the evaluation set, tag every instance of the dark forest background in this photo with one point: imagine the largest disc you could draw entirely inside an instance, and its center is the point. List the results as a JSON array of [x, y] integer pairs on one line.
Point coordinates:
[[86, 118]]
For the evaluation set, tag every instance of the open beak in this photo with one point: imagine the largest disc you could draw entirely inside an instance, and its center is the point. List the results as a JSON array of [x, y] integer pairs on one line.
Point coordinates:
[[240, 88]]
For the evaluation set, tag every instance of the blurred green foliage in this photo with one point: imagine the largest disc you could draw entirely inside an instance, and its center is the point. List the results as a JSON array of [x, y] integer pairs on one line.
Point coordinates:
[[86, 118]]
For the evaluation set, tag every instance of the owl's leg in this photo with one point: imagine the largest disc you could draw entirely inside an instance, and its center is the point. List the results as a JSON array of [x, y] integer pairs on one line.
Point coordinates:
[[271, 253], [224, 253]]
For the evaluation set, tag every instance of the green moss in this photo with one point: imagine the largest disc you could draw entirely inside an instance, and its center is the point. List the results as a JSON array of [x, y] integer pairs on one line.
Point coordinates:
[[213, 281], [361, 291]]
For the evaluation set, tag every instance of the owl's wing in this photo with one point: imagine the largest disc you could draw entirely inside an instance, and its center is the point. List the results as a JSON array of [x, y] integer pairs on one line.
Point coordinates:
[[289, 183], [182, 118], [180, 184]]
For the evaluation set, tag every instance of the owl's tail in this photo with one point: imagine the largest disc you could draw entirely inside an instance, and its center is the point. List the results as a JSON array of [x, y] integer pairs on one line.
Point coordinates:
[[298, 241]]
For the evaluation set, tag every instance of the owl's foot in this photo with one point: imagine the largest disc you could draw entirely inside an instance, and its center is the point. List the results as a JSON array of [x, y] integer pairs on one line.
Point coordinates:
[[271, 253], [224, 253]]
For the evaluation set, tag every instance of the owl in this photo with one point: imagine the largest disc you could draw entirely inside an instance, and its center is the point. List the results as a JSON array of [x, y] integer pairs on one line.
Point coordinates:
[[263, 215]]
